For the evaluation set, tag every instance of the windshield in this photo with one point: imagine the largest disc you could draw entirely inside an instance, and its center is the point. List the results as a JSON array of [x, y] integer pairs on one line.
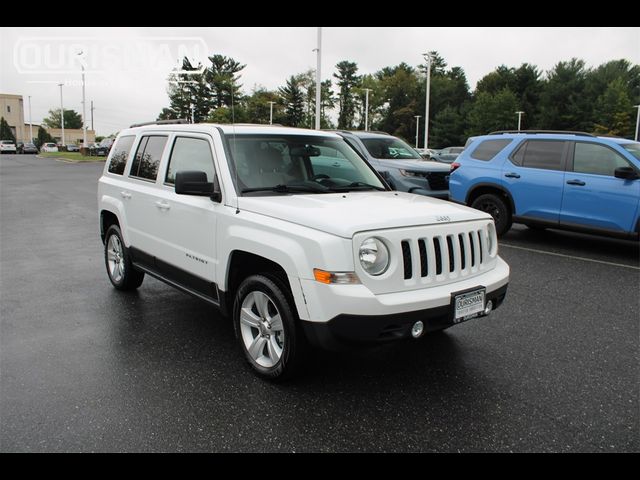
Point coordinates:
[[390, 149], [633, 149], [297, 163]]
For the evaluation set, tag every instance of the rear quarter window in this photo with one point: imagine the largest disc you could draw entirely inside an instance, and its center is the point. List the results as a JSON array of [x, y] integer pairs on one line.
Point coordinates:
[[489, 149], [120, 154]]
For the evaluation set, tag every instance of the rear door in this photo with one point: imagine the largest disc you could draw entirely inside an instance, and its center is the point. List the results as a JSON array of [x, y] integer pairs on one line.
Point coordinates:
[[534, 174], [142, 196], [593, 196]]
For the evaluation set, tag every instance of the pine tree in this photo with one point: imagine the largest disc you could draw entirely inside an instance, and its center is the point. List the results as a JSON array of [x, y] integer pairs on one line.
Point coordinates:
[[347, 80], [5, 131], [292, 97]]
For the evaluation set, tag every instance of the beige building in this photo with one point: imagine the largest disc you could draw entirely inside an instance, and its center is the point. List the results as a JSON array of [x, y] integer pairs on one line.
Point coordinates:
[[12, 109]]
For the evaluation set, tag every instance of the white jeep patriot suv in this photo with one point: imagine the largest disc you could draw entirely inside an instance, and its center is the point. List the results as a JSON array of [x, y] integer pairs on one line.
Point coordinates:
[[292, 234]]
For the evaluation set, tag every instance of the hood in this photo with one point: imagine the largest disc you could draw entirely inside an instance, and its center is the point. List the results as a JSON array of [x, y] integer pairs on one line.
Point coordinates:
[[418, 165], [344, 214]]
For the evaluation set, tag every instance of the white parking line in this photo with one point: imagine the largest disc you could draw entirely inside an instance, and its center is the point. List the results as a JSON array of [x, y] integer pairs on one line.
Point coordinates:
[[569, 256]]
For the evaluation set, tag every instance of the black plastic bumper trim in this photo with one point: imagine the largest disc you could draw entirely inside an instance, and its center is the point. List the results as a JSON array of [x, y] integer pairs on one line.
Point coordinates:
[[348, 331]]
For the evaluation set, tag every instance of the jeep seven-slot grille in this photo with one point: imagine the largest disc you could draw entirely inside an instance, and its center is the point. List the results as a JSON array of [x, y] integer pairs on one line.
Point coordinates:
[[452, 253]]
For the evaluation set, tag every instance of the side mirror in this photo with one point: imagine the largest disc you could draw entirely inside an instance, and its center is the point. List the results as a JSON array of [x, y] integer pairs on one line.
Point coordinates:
[[193, 182], [627, 173]]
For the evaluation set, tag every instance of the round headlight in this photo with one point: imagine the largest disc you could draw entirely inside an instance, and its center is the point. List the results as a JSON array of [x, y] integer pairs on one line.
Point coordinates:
[[374, 256]]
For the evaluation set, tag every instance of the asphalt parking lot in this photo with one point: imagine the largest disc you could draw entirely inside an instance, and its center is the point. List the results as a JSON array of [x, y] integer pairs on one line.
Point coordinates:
[[86, 368]]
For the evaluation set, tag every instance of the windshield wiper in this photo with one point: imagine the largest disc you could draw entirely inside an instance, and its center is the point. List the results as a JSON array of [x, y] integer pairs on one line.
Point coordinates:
[[357, 186], [281, 188]]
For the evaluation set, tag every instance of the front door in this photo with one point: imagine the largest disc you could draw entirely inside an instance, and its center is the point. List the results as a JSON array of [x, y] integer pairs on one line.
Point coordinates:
[[593, 196]]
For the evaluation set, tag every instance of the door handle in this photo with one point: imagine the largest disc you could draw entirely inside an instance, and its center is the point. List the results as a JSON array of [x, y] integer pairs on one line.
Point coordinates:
[[576, 182], [125, 194], [162, 205], [512, 175], [335, 164]]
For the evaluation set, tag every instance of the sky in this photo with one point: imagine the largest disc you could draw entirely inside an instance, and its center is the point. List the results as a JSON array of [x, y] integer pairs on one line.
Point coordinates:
[[127, 68]]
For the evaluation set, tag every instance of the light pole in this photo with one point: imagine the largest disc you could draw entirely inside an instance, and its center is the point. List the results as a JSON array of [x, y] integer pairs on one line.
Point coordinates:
[[519, 118], [318, 80], [62, 113], [192, 116], [427, 57], [271, 113], [637, 121], [30, 124], [84, 107], [417, 128], [366, 109]]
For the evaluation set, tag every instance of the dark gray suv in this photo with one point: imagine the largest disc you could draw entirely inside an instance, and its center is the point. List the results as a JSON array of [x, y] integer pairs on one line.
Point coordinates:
[[401, 166]]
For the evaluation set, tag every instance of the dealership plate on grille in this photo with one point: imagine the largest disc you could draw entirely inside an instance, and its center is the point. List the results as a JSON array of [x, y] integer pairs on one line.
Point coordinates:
[[468, 305]]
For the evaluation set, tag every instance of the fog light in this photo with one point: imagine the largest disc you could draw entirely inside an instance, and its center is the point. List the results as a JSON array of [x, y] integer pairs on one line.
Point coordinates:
[[417, 329], [488, 308]]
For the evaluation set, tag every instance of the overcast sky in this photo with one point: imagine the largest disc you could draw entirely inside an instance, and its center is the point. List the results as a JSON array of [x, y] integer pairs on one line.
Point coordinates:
[[127, 68]]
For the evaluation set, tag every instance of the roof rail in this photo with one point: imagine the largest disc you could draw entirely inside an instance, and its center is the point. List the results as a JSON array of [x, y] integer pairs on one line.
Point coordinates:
[[161, 122], [560, 132]]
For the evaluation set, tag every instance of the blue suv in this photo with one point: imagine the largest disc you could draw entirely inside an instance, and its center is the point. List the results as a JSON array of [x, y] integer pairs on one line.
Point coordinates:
[[566, 180], [400, 165]]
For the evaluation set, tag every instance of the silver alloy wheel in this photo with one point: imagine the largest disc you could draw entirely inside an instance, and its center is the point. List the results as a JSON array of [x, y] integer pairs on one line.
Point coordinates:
[[115, 258], [261, 329]]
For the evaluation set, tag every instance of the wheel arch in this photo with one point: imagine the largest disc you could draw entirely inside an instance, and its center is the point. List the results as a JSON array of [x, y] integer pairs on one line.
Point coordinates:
[[482, 188]]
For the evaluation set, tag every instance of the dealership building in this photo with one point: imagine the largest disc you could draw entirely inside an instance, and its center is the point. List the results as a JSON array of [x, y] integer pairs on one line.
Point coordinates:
[[12, 109]]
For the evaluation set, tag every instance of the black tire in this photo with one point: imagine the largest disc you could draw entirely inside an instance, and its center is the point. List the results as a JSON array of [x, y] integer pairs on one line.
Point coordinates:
[[130, 278], [497, 208], [294, 348]]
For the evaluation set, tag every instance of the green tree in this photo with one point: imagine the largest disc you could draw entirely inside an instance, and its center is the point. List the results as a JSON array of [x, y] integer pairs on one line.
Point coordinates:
[[72, 119], [448, 128], [223, 81], [43, 137], [5, 131], [492, 112], [347, 80], [186, 90], [292, 98], [398, 88], [256, 107], [614, 111], [563, 103]]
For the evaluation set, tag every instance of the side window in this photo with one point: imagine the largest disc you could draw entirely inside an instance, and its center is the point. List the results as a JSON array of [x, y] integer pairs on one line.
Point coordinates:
[[489, 149], [145, 163], [596, 159], [190, 154], [545, 154], [120, 154]]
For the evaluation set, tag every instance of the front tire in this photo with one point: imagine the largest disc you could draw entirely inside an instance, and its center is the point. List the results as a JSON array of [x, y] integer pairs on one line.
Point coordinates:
[[122, 273], [267, 328], [497, 208]]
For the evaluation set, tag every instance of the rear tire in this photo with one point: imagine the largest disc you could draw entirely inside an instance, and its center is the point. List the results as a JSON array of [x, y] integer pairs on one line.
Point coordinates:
[[268, 328], [122, 273], [497, 208]]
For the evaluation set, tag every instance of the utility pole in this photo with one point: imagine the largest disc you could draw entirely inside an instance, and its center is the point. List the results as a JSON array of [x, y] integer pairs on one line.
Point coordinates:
[[637, 121], [62, 113], [519, 118], [427, 57], [417, 128], [192, 116], [84, 113], [318, 79], [92, 115], [366, 109], [31, 124], [271, 113]]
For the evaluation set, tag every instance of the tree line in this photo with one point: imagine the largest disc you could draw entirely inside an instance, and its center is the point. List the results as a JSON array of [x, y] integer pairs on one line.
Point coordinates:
[[570, 96]]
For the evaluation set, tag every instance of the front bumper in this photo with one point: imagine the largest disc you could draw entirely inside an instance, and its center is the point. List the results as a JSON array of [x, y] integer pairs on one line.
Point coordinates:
[[348, 331]]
